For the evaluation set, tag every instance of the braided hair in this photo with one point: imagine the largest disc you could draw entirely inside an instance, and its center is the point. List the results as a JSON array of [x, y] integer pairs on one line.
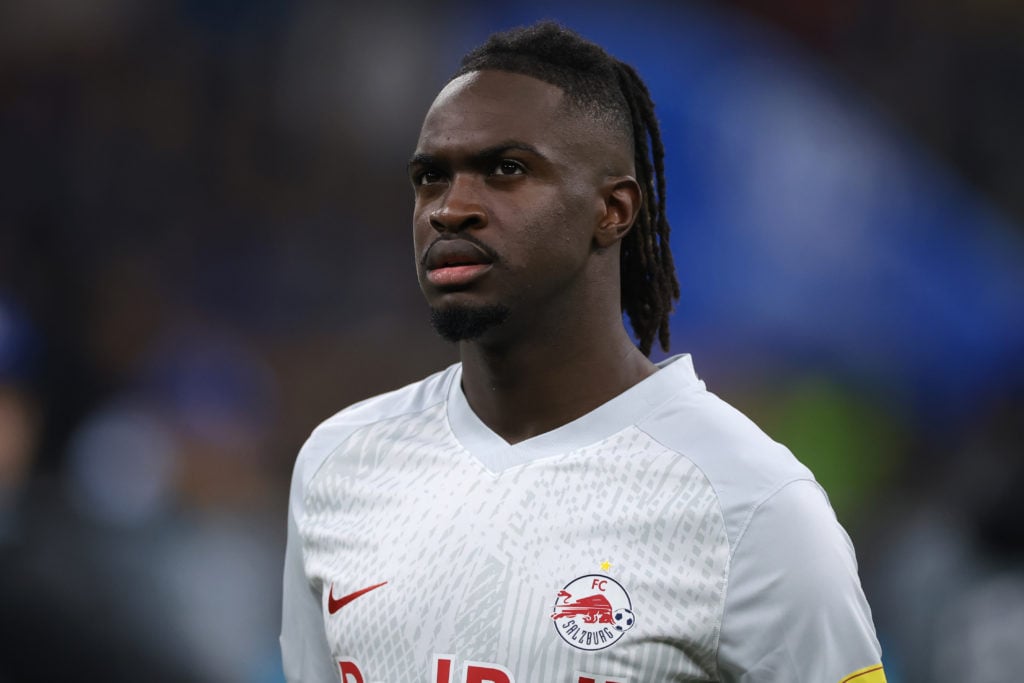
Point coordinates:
[[612, 92]]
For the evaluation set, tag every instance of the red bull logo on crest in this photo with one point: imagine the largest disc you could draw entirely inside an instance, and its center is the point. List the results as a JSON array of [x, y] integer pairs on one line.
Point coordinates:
[[592, 612]]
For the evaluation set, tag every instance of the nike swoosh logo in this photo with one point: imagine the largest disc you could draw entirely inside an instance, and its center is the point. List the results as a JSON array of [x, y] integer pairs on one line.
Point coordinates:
[[335, 604]]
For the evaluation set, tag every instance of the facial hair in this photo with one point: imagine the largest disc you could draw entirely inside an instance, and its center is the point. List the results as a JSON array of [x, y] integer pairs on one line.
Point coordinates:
[[465, 323]]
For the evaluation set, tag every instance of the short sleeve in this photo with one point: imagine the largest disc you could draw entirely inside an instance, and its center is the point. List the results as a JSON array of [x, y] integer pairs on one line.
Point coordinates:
[[794, 608], [304, 651]]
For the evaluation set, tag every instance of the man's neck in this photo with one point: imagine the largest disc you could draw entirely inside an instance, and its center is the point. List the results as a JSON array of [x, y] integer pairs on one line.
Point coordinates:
[[528, 389]]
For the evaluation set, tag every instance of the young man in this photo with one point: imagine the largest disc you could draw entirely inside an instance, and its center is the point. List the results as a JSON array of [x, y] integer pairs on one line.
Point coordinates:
[[557, 508]]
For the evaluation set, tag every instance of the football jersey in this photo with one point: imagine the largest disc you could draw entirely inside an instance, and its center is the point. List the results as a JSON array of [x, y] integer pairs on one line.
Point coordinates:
[[660, 537]]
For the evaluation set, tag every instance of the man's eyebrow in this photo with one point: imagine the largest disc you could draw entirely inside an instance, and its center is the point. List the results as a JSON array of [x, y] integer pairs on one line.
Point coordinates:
[[422, 158], [507, 145]]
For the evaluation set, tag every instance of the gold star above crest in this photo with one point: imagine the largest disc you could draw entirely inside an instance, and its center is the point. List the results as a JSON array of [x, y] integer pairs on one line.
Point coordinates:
[[606, 565]]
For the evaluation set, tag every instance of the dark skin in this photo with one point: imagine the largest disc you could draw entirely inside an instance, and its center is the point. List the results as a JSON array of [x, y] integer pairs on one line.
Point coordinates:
[[535, 197]]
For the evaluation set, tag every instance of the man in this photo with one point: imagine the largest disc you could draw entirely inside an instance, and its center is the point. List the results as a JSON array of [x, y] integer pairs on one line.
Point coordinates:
[[557, 508]]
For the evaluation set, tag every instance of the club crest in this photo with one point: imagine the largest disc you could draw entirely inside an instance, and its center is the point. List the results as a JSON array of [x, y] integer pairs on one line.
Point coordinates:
[[592, 612]]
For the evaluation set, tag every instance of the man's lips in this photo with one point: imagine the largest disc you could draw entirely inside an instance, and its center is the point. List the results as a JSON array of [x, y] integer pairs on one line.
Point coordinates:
[[456, 276], [455, 262]]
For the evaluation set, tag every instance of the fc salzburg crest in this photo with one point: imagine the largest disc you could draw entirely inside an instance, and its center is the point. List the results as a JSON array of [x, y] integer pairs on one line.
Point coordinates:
[[592, 612]]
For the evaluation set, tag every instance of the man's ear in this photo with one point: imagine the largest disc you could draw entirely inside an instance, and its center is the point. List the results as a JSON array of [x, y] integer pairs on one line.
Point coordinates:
[[622, 199]]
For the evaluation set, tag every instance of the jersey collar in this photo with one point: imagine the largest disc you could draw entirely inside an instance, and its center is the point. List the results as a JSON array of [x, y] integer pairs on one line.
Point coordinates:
[[674, 375]]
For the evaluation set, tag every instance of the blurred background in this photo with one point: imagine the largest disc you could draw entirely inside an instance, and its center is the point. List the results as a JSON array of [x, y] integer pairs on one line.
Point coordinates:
[[205, 251]]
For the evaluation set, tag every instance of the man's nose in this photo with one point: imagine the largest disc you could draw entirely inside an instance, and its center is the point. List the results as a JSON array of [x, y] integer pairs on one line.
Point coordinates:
[[460, 208]]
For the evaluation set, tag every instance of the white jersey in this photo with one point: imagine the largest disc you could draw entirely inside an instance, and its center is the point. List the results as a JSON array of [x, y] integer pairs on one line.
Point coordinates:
[[660, 537]]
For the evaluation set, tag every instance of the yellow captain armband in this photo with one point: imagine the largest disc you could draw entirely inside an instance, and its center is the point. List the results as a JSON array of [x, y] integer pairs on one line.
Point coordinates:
[[872, 674]]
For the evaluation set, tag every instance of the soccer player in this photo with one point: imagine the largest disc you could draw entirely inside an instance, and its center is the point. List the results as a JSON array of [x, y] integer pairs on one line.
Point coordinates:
[[556, 508]]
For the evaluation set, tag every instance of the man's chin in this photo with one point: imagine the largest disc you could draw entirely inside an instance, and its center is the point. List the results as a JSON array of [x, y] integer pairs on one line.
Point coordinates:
[[465, 323]]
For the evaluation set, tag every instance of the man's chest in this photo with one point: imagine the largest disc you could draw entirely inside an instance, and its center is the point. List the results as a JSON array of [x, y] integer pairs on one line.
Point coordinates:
[[607, 564]]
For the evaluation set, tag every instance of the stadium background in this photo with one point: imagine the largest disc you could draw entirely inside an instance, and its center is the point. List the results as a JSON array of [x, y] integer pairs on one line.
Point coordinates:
[[204, 251]]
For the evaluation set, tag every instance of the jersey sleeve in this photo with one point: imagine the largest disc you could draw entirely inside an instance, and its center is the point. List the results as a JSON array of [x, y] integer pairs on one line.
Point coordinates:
[[794, 608], [304, 651]]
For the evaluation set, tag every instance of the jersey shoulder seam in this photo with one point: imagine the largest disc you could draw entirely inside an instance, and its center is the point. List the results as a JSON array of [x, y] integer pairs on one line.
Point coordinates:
[[739, 540], [761, 503], [721, 517]]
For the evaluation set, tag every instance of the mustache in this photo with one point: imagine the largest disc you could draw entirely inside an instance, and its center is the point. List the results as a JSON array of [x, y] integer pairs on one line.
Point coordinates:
[[491, 254]]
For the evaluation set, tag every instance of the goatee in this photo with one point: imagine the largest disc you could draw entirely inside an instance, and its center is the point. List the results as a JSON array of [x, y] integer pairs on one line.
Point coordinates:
[[464, 323]]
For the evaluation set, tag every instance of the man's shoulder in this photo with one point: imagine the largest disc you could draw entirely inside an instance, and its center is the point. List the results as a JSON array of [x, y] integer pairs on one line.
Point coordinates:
[[719, 438], [411, 398], [740, 461], [335, 430]]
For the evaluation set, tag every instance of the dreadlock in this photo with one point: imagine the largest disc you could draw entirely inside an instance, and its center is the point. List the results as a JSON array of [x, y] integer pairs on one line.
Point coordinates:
[[613, 92]]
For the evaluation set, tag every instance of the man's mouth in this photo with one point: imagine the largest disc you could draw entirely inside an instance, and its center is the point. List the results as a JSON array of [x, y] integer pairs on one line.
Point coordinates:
[[455, 263], [456, 276]]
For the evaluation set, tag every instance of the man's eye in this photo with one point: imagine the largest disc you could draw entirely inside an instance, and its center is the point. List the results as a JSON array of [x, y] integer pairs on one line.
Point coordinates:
[[509, 167], [427, 177]]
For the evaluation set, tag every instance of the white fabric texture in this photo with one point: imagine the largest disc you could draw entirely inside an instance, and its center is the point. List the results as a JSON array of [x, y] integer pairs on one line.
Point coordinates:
[[720, 549]]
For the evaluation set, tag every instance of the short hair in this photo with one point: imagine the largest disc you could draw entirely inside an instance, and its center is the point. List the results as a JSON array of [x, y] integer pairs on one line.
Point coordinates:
[[611, 90]]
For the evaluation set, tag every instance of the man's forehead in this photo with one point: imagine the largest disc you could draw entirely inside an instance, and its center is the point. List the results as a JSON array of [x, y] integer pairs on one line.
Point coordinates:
[[495, 104], [496, 83]]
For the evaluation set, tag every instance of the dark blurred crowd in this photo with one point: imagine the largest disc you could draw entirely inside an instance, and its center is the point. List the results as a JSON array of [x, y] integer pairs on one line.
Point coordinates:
[[188, 284], [204, 252]]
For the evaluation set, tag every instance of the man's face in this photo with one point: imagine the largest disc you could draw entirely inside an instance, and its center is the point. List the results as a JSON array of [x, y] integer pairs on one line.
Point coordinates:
[[507, 201]]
